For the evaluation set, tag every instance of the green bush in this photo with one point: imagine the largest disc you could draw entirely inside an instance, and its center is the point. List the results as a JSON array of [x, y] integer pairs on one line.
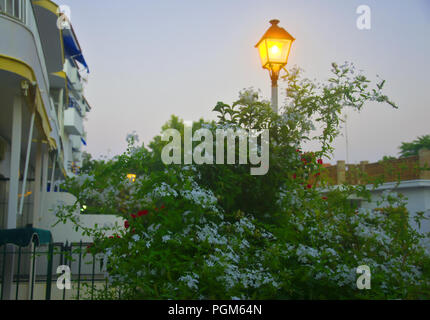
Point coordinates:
[[217, 232]]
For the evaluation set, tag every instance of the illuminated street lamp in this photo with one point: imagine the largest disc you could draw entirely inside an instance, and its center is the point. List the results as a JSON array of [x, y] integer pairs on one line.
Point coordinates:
[[274, 48]]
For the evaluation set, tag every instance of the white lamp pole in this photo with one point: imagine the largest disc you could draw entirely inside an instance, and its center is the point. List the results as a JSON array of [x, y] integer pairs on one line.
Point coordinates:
[[275, 93]]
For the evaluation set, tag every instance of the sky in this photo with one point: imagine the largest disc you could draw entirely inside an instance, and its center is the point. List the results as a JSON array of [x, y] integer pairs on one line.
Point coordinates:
[[150, 59]]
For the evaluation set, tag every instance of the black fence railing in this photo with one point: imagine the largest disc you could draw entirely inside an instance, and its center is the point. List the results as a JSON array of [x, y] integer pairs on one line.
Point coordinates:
[[41, 272]]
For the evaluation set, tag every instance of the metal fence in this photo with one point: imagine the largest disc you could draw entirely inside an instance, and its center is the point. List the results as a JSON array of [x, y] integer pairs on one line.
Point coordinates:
[[36, 271]]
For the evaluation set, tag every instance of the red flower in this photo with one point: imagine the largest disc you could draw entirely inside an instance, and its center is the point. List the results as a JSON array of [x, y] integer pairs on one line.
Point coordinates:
[[309, 186], [317, 174], [126, 224], [298, 150], [320, 161], [324, 198], [118, 236], [133, 216], [294, 176], [162, 206], [110, 237], [142, 213]]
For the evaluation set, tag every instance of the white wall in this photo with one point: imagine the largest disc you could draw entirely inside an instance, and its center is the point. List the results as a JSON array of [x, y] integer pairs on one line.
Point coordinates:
[[66, 232]]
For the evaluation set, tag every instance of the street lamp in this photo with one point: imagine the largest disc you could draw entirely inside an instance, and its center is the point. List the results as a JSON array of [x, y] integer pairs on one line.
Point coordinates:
[[274, 48]]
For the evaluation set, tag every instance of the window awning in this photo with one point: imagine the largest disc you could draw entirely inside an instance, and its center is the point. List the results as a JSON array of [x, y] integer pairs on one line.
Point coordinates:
[[24, 236], [22, 69], [72, 48]]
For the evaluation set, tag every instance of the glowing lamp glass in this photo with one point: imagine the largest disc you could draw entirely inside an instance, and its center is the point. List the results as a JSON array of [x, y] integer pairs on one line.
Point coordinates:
[[274, 53]]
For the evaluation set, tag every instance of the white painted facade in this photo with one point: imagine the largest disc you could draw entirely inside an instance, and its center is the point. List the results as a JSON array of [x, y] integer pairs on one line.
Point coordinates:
[[42, 107], [42, 110]]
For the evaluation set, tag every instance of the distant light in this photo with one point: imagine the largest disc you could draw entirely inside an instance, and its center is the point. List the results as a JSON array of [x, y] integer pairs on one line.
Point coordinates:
[[131, 177]]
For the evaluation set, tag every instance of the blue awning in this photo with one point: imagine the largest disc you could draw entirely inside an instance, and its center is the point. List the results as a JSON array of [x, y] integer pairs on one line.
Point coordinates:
[[72, 48]]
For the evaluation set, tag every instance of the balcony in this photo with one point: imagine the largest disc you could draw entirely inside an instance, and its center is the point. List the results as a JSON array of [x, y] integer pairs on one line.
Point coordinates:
[[14, 9], [73, 122], [76, 142], [73, 76]]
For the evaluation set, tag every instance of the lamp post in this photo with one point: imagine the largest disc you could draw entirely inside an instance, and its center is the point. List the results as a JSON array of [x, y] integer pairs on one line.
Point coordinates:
[[274, 48]]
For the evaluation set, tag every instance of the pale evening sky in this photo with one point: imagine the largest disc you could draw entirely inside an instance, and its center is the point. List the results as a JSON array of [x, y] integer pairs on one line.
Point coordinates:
[[150, 59]]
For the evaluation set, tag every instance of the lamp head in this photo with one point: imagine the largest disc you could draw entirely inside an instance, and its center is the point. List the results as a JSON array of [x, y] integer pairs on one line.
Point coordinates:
[[274, 47]]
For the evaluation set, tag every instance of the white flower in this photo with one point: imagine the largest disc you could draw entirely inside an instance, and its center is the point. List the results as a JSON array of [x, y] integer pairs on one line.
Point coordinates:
[[164, 190], [132, 137], [165, 238], [191, 280]]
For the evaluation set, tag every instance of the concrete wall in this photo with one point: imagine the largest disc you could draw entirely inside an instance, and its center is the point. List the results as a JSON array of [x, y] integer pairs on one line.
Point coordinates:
[[66, 232]]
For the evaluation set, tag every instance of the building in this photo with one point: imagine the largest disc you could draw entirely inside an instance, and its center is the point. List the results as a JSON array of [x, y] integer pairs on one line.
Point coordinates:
[[42, 109]]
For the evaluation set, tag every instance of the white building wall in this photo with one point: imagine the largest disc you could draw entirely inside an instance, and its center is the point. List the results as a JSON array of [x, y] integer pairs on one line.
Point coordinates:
[[66, 232]]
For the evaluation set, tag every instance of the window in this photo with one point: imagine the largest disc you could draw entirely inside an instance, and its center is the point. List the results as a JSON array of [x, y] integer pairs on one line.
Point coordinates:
[[13, 8]]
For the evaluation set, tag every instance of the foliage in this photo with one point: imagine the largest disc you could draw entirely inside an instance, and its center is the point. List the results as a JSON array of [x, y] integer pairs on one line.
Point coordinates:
[[216, 232], [408, 149], [387, 158]]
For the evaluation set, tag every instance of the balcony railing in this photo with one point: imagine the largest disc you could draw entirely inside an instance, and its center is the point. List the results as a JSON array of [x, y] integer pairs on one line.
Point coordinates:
[[14, 8], [72, 122]]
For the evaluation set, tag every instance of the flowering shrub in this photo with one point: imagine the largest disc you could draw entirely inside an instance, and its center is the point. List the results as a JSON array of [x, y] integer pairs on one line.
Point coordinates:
[[216, 232]]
